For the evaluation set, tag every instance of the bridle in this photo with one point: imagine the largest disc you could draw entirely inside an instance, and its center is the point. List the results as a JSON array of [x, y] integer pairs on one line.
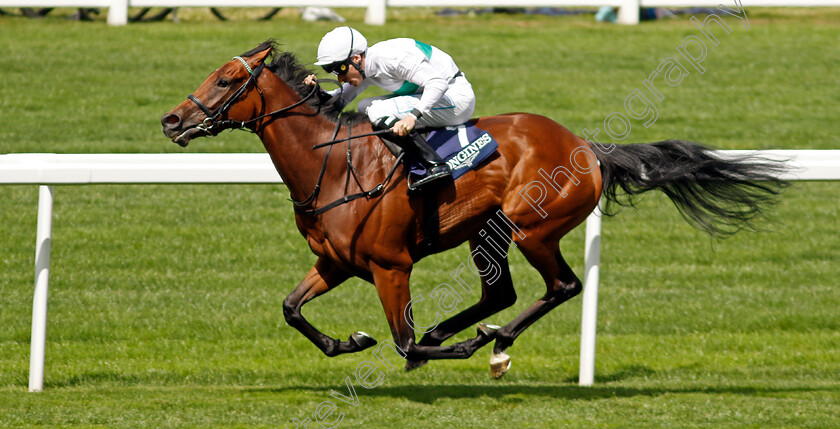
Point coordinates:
[[212, 123]]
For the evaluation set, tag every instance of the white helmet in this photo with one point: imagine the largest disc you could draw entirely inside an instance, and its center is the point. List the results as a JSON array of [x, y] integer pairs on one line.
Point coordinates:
[[339, 45]]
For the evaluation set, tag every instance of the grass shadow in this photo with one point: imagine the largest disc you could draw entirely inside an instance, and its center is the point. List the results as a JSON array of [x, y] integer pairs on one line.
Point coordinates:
[[632, 371], [429, 394], [566, 389]]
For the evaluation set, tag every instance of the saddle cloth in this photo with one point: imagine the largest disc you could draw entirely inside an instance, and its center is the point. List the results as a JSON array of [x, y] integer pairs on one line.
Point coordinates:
[[462, 147]]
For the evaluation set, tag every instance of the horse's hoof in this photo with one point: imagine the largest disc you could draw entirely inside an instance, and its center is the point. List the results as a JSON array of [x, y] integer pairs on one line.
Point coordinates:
[[362, 340], [414, 364], [486, 330], [499, 364]]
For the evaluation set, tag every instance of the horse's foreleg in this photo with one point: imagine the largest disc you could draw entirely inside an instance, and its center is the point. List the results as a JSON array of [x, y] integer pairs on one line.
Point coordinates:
[[497, 294], [561, 284], [320, 279], [393, 288]]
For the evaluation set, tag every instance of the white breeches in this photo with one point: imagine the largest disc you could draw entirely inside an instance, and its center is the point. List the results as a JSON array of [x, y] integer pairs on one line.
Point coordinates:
[[454, 108]]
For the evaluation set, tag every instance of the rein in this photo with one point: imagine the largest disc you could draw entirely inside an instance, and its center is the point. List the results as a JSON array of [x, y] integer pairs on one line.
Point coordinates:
[[336, 141], [213, 126], [346, 198]]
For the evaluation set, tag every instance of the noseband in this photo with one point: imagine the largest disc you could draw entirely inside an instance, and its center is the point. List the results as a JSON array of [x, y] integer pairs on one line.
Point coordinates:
[[213, 125]]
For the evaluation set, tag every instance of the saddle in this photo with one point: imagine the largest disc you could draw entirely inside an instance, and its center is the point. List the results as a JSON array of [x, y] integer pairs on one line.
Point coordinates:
[[463, 147]]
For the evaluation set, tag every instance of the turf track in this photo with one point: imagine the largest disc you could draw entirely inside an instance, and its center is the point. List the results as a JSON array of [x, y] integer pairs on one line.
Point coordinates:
[[165, 300]]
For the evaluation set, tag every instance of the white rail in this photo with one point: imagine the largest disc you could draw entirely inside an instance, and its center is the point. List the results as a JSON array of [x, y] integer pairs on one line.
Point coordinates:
[[80, 169], [376, 9], [51, 169]]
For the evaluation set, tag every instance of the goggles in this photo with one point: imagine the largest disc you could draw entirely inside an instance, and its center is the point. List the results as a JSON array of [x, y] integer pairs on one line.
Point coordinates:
[[338, 68]]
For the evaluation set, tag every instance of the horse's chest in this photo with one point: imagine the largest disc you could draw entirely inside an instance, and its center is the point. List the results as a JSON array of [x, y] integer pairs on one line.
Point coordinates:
[[330, 243]]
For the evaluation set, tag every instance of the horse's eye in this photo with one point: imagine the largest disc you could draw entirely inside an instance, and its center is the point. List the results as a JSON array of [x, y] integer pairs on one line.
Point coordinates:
[[223, 83]]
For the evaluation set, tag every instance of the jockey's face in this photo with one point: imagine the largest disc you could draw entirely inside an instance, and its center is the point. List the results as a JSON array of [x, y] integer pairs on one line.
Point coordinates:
[[353, 77]]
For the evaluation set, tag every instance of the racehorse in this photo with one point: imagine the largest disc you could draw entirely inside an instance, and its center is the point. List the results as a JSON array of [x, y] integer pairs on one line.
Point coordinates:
[[353, 209]]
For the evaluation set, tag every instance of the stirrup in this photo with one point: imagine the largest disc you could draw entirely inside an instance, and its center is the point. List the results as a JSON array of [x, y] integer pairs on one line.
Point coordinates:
[[433, 174]]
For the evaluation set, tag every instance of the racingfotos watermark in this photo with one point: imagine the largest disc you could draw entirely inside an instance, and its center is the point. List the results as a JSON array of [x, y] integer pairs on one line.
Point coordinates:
[[583, 160], [367, 374], [693, 50], [446, 296], [500, 233]]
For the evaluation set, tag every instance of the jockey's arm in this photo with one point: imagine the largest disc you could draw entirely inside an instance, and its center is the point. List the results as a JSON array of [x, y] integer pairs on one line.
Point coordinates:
[[434, 86], [346, 93]]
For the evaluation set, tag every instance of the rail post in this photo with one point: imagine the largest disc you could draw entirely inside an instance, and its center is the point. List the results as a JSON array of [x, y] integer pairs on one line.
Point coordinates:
[[42, 280], [375, 14], [589, 318], [628, 12], [118, 13]]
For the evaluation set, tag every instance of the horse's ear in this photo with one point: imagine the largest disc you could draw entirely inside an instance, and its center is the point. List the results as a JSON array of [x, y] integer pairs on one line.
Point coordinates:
[[255, 60]]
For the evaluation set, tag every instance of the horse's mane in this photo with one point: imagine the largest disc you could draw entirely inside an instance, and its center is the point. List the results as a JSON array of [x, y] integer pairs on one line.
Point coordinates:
[[286, 66]]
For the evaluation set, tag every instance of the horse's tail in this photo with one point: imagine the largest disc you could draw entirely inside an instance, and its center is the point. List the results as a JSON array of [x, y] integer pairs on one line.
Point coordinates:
[[720, 195]]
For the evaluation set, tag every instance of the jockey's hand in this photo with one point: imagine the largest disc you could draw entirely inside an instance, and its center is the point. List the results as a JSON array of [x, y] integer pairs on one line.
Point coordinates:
[[404, 126], [310, 80]]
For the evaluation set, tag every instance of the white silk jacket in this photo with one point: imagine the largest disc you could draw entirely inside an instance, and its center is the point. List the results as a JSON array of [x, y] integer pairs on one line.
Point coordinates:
[[405, 67]]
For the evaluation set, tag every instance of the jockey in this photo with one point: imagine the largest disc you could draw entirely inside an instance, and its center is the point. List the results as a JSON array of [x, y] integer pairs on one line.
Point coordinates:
[[427, 89]]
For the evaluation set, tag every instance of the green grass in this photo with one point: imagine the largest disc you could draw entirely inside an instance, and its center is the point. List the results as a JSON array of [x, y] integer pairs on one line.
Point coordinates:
[[165, 301]]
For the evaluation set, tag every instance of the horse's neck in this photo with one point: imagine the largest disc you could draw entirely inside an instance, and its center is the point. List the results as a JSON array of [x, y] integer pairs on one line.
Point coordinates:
[[290, 146], [289, 140]]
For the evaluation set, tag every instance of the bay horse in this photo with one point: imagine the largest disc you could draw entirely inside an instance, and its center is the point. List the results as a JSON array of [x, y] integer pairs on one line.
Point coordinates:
[[354, 212]]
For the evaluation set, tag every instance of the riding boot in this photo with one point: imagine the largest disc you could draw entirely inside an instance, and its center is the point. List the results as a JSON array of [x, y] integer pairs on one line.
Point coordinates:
[[415, 145], [436, 168]]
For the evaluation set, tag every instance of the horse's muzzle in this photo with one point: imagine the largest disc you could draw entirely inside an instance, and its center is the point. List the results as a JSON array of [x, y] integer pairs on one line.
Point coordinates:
[[174, 129]]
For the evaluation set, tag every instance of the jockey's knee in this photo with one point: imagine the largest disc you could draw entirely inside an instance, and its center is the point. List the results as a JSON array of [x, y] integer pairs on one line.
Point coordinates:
[[366, 104]]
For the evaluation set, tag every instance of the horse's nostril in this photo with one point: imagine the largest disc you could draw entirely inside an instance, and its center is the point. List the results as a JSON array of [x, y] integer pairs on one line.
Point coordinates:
[[170, 121]]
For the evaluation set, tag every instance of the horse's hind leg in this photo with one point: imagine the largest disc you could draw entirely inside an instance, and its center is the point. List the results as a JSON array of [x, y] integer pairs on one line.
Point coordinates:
[[497, 294], [392, 285], [561, 285]]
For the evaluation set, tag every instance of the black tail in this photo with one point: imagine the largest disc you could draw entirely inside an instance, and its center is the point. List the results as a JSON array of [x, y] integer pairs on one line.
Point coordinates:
[[718, 195]]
